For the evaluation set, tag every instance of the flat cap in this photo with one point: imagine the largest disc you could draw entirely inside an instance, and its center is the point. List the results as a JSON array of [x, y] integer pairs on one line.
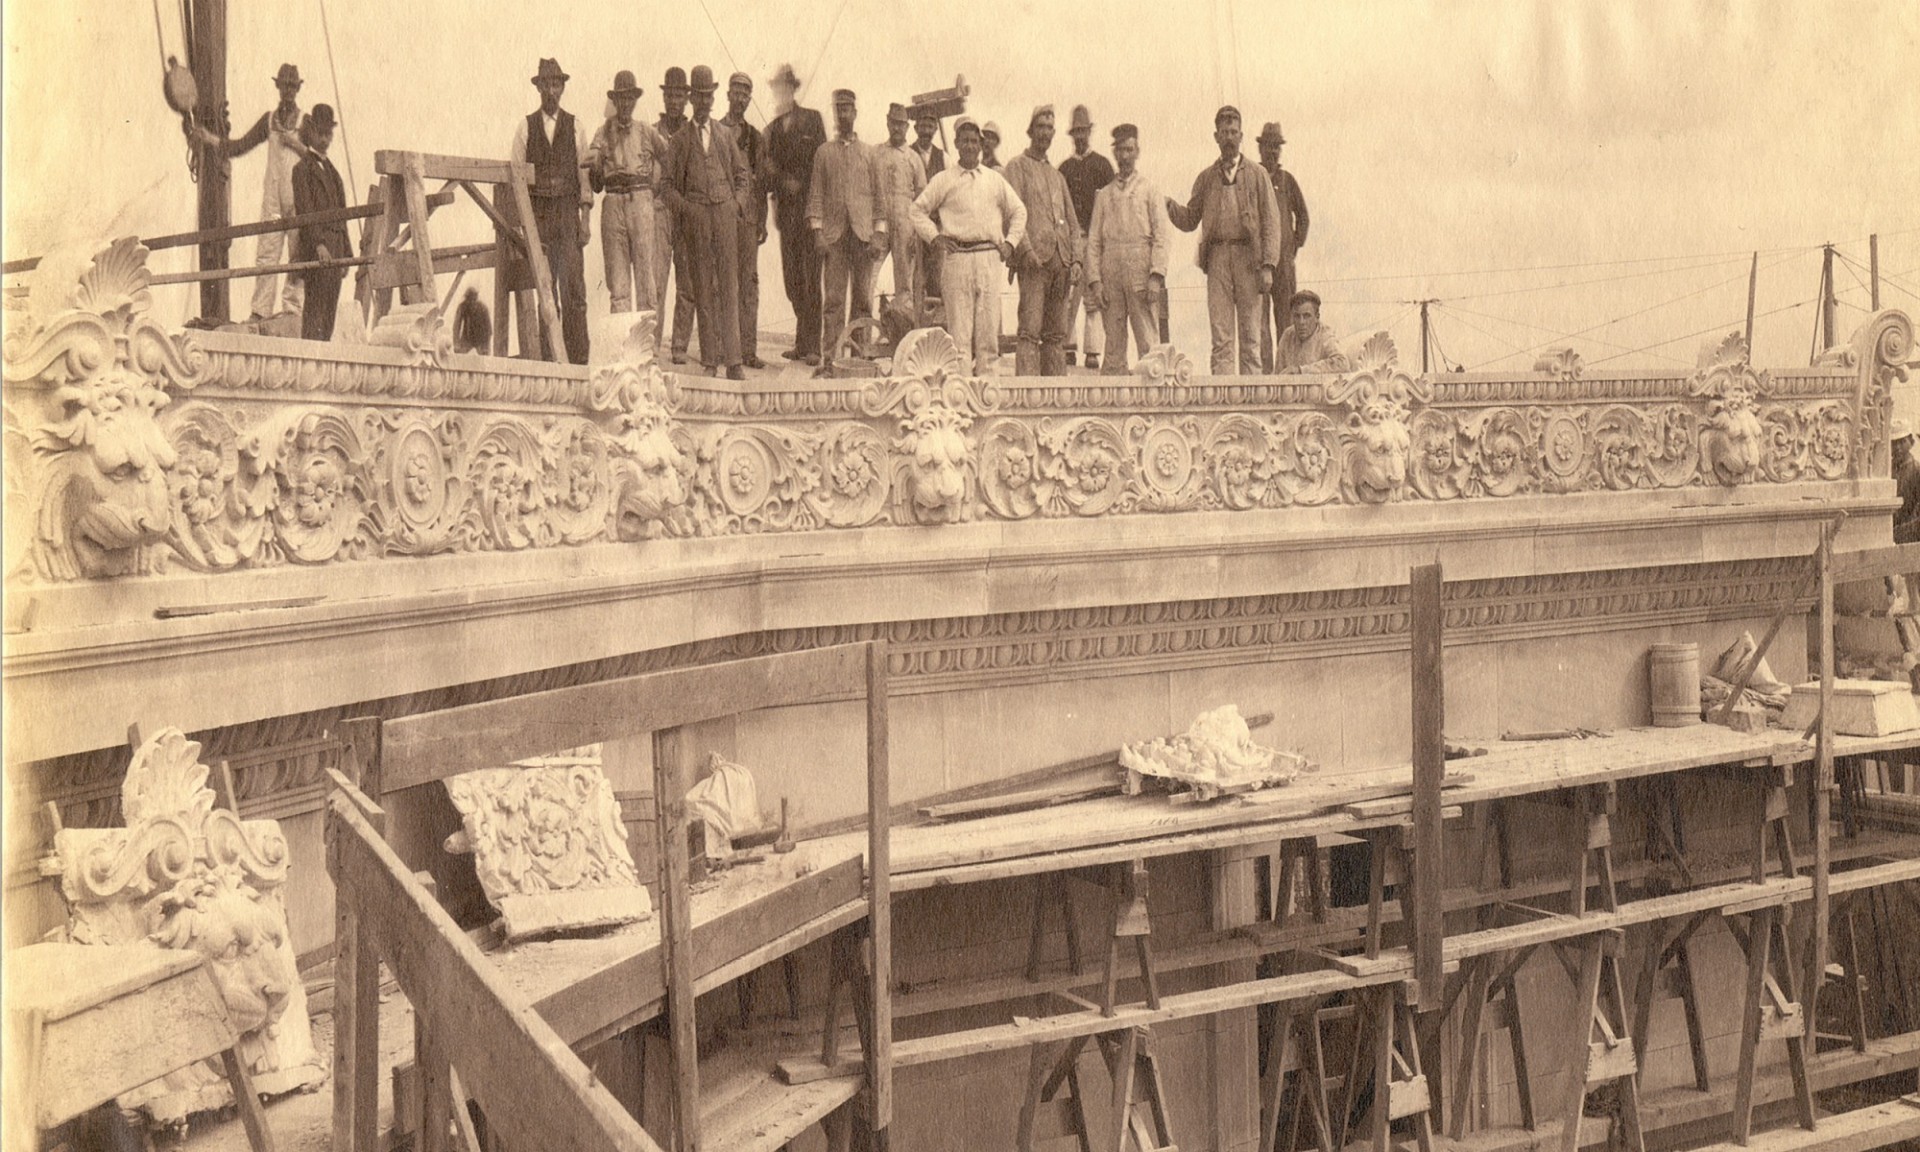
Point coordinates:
[[991, 129], [740, 80], [1305, 295], [897, 112], [844, 96], [966, 122], [1227, 112], [1125, 132], [1039, 110]]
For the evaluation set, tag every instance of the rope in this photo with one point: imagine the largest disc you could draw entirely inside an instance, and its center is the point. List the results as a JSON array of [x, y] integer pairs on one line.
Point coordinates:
[[346, 150], [159, 38], [724, 47], [1727, 325], [827, 43], [1742, 254]]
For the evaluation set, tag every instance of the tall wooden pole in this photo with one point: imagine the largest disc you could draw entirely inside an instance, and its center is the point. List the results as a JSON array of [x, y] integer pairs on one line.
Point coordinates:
[[1821, 816], [209, 34], [1826, 298], [1425, 336], [1429, 767], [1753, 286], [1873, 268]]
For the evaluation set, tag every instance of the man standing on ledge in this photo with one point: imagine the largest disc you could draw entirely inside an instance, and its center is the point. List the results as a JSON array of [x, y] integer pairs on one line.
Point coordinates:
[[846, 208], [708, 186], [1086, 172], [1308, 345], [624, 162], [902, 176], [1127, 250], [981, 219], [753, 225], [1293, 237], [1049, 260], [669, 251], [793, 137], [1234, 208], [317, 188], [280, 130], [551, 140], [933, 160]]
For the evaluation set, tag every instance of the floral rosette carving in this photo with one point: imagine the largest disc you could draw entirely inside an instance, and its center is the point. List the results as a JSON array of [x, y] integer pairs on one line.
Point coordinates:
[[1828, 429], [1010, 470], [856, 480], [756, 478], [1245, 460], [1673, 454], [1085, 467], [1561, 454], [1314, 444], [1620, 442], [419, 489], [1379, 443], [1167, 465], [84, 392]]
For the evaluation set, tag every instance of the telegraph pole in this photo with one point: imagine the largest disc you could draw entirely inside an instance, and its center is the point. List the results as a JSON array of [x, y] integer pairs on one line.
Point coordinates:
[[1426, 335], [1873, 267], [1827, 303], [1753, 284], [208, 38]]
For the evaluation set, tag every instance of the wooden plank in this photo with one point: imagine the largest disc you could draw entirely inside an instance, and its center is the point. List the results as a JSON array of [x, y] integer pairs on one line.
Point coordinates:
[[549, 303], [356, 963], [676, 937], [433, 745], [402, 269], [541, 1095], [412, 176], [1869, 563], [1875, 1126], [434, 166], [1426, 624], [1821, 817], [880, 909]]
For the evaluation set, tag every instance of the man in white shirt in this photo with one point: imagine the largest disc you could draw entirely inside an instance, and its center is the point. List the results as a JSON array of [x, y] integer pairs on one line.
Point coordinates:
[[553, 142], [981, 220]]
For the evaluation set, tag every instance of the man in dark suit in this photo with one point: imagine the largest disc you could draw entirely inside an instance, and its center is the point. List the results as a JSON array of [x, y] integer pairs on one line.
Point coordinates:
[[793, 137], [317, 188], [709, 187], [753, 226], [847, 211]]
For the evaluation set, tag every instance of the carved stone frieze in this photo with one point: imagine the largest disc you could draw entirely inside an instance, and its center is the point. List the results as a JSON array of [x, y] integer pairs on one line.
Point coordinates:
[[1882, 350], [548, 847], [184, 874]]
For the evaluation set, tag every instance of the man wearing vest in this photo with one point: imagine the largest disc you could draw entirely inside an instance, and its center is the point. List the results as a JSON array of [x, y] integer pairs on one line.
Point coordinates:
[[669, 252], [551, 140], [710, 189], [1049, 259]]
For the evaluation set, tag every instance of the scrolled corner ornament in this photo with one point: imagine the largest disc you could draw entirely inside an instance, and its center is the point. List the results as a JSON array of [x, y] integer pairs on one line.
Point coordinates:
[[1733, 441], [1883, 351], [651, 470], [1562, 364], [1379, 399], [84, 391], [934, 470], [1166, 366]]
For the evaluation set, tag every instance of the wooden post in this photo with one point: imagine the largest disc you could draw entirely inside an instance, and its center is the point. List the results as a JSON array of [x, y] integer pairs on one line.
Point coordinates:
[[1822, 782], [209, 33], [1429, 768], [503, 252], [356, 998], [1873, 268], [413, 182], [1827, 303], [676, 929], [879, 909], [1753, 287], [549, 303]]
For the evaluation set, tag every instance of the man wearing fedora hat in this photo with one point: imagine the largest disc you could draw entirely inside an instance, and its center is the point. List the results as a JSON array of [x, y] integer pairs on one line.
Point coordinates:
[[1232, 204], [793, 136], [710, 190], [279, 130], [669, 253], [623, 162], [551, 140], [846, 208], [1293, 236], [753, 226], [1049, 257], [1086, 172], [317, 188]]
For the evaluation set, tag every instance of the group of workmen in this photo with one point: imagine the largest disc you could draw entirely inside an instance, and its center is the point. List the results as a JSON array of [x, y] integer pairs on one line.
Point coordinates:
[[684, 210]]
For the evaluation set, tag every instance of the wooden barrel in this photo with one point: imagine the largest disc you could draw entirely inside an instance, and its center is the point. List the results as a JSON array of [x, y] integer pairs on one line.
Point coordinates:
[[1673, 672]]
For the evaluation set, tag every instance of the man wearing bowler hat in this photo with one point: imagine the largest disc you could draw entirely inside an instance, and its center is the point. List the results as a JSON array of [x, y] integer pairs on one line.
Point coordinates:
[[1086, 172], [669, 255], [624, 162], [553, 142], [846, 208], [753, 226], [317, 188], [793, 137], [710, 190], [1233, 206], [1293, 237]]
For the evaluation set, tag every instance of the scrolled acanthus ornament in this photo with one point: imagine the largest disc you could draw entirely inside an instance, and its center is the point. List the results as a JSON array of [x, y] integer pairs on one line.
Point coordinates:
[[934, 468], [83, 392], [1882, 353], [1734, 440], [1379, 399]]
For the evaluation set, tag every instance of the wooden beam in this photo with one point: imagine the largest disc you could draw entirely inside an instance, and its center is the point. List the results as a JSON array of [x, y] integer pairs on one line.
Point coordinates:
[[356, 963], [413, 177], [536, 1092], [879, 894], [1427, 621], [1876, 1126], [420, 749], [1893, 560], [434, 166], [1821, 817], [548, 302], [676, 937]]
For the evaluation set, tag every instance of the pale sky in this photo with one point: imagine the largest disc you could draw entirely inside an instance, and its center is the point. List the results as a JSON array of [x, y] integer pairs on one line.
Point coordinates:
[[1590, 143]]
